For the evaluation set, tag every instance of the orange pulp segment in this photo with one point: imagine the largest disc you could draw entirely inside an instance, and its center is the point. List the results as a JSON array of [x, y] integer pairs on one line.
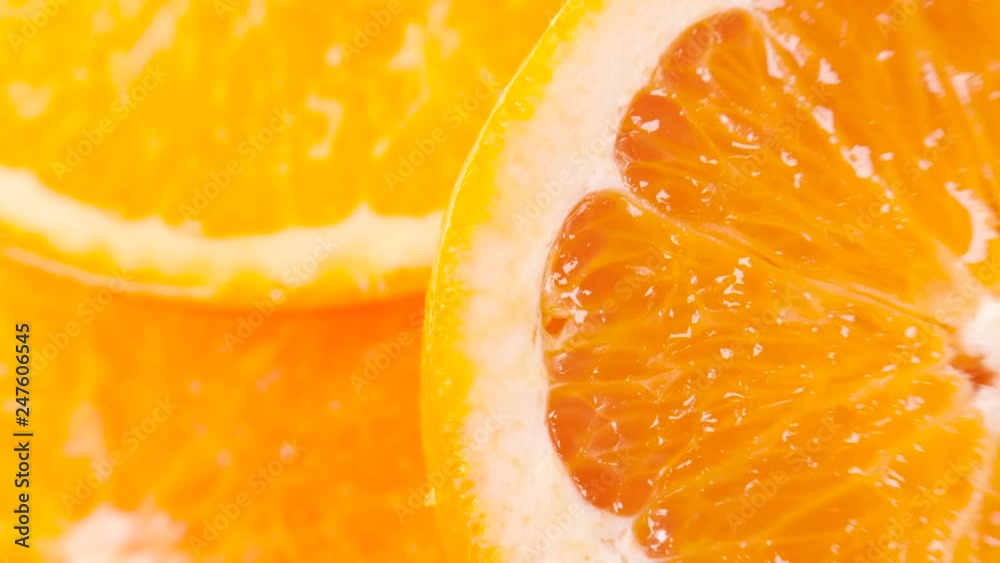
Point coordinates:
[[768, 344]]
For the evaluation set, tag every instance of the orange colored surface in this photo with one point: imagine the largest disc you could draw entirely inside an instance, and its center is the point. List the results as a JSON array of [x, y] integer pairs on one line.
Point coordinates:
[[220, 119], [318, 108], [339, 385], [753, 347], [187, 123]]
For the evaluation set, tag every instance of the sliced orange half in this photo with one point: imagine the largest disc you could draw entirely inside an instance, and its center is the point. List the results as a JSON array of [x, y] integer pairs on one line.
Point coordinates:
[[720, 283], [243, 150]]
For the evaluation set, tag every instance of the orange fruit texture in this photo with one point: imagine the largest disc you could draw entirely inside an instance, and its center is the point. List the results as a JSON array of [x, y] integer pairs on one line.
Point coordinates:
[[154, 440], [217, 218], [771, 332], [211, 147], [805, 351]]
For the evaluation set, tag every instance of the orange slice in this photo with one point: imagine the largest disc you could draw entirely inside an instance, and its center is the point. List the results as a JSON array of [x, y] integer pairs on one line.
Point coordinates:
[[239, 151], [156, 441], [721, 284]]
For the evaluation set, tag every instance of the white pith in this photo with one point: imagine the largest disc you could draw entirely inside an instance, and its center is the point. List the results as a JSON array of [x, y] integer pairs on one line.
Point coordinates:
[[979, 337], [524, 494], [110, 534], [364, 244]]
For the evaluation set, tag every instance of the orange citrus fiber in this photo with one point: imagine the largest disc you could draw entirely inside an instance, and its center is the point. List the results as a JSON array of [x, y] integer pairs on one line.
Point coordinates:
[[721, 284], [155, 441], [234, 150]]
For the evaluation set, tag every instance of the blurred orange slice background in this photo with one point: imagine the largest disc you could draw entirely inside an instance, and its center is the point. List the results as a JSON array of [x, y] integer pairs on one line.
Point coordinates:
[[154, 438], [218, 219], [223, 150]]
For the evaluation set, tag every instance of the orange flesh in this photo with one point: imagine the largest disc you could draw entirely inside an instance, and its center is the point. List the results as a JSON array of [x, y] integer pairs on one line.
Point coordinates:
[[752, 342], [340, 384], [250, 117]]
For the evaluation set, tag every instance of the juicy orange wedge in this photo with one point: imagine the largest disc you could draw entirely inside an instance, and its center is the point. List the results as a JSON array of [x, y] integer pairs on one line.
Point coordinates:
[[231, 151], [735, 294]]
